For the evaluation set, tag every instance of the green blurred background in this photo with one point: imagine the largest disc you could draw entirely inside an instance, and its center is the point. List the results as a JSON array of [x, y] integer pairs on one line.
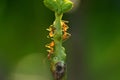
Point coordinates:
[[93, 51]]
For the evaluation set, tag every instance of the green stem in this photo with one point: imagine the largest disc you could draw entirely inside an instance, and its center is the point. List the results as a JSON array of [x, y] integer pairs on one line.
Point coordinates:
[[58, 34], [59, 59], [59, 50]]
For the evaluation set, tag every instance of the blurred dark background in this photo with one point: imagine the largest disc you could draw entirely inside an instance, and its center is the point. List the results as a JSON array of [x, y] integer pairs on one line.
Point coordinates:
[[93, 51]]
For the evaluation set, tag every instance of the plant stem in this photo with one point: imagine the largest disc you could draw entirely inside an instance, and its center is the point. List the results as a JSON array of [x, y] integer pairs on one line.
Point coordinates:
[[58, 33], [59, 50], [59, 54]]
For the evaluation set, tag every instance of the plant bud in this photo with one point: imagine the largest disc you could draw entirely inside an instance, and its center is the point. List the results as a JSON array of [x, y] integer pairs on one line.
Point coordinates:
[[51, 4], [66, 6]]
